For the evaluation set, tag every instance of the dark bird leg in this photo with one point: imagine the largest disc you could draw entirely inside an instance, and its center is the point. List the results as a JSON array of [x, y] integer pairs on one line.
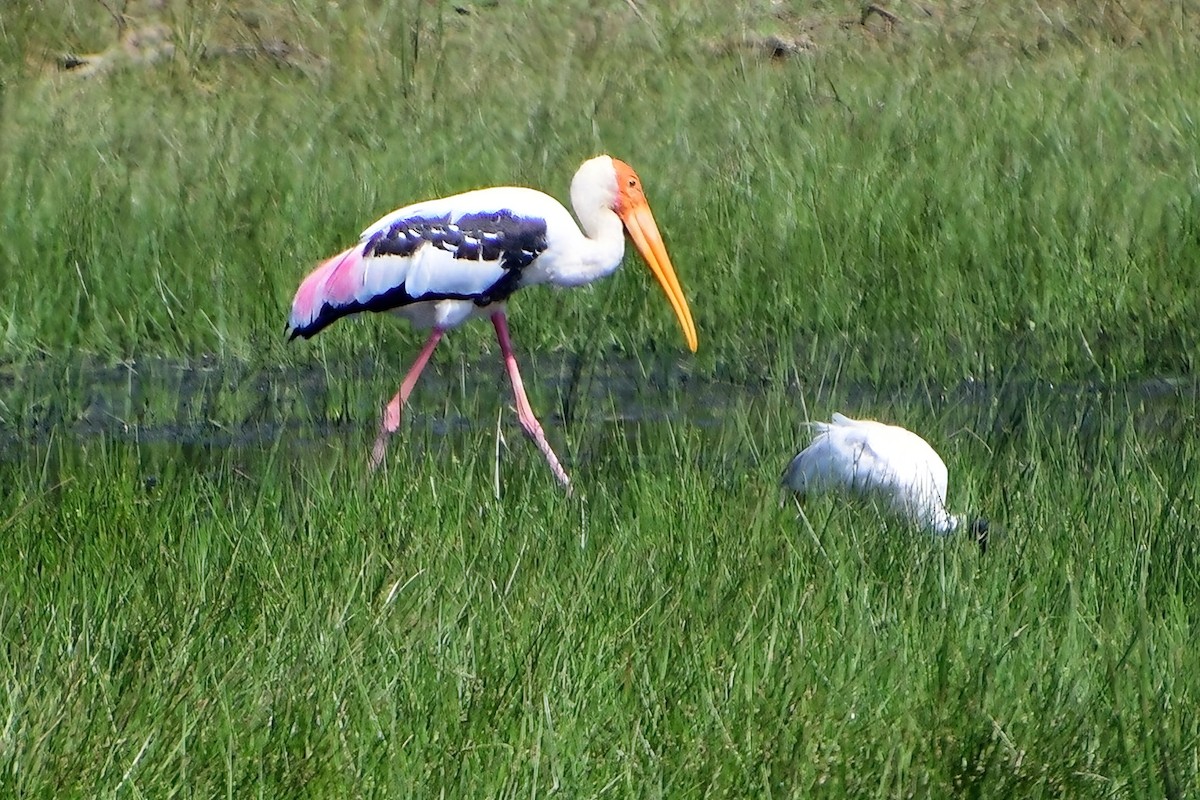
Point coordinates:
[[979, 529], [391, 414], [524, 412]]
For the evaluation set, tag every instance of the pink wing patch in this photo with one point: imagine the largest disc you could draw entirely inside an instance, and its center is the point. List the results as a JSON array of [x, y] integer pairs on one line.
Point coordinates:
[[335, 283]]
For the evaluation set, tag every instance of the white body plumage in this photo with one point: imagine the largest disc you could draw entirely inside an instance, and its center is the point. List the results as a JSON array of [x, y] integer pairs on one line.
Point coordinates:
[[873, 459]]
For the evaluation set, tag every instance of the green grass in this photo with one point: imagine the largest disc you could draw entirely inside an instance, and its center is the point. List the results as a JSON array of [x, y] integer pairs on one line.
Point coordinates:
[[981, 224], [924, 206], [261, 624]]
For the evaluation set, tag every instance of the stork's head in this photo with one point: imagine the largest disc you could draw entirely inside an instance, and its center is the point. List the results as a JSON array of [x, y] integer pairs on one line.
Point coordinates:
[[615, 185]]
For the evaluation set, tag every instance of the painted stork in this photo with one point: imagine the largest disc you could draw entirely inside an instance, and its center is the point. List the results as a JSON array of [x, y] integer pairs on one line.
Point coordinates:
[[885, 462], [442, 262]]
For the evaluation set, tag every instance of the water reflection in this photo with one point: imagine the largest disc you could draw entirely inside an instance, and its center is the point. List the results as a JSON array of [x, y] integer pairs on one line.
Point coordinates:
[[228, 404]]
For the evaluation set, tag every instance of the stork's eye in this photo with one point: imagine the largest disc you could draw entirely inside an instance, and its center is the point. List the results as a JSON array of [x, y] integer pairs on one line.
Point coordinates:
[[632, 182]]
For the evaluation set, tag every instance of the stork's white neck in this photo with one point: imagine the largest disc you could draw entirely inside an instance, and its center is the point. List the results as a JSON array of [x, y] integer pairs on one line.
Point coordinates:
[[599, 253], [604, 244]]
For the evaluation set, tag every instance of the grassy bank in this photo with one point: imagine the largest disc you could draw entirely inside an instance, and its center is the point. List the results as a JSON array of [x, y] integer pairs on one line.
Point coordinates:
[[247, 622]]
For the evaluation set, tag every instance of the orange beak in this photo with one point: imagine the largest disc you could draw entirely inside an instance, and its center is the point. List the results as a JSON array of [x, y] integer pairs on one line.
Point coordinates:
[[644, 232]]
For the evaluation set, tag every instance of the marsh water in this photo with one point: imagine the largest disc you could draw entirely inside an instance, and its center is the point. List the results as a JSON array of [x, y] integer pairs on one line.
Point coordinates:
[[214, 404]]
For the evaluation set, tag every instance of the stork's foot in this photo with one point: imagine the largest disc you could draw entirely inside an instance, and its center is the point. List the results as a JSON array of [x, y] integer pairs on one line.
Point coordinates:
[[379, 450], [390, 424], [533, 430], [559, 473]]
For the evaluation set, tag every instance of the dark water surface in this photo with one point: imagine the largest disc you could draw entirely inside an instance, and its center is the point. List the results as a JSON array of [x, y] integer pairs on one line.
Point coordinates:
[[216, 404]]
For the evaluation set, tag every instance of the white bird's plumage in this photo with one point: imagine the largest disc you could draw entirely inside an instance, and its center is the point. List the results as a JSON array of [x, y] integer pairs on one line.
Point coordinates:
[[877, 460]]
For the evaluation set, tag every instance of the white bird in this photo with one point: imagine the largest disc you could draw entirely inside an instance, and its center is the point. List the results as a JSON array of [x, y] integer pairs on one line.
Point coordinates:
[[442, 262], [884, 462]]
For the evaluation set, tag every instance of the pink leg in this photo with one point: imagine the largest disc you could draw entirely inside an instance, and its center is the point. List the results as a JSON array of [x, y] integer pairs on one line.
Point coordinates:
[[524, 412], [391, 415]]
